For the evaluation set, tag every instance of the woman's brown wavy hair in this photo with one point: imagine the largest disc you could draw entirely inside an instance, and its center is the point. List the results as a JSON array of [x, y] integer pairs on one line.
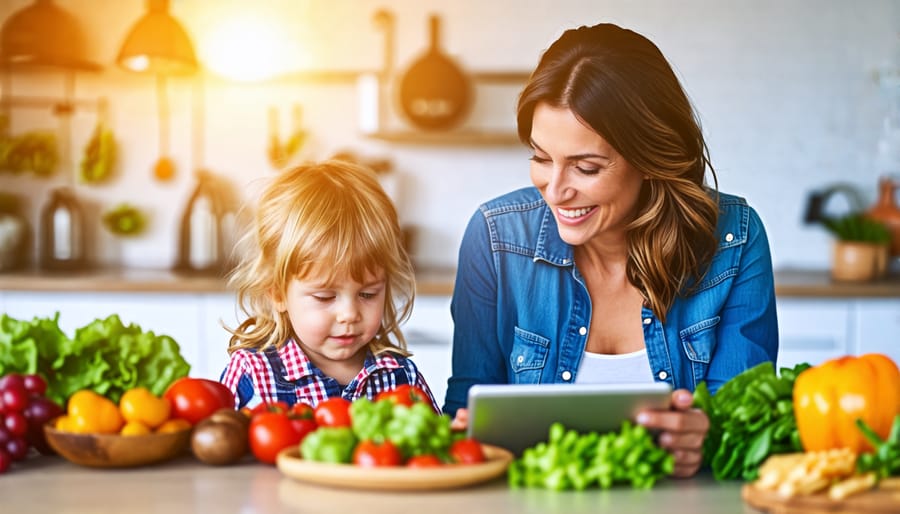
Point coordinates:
[[325, 220], [618, 83]]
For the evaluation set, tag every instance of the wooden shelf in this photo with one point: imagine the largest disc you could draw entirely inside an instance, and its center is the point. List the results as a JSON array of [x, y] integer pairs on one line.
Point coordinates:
[[450, 138]]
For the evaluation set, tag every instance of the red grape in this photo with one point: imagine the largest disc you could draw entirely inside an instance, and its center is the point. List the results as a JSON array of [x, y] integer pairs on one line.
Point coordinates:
[[5, 460], [34, 384], [17, 448], [14, 398], [16, 423]]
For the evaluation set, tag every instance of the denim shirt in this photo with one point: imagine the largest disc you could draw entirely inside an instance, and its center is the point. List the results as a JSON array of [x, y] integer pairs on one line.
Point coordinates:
[[522, 312]]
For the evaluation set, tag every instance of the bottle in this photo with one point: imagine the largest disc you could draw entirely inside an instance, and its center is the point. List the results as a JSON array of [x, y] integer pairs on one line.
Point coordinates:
[[62, 233], [200, 241], [886, 211]]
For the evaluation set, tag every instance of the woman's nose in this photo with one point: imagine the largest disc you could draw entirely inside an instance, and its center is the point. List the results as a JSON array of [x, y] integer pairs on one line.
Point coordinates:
[[558, 188]]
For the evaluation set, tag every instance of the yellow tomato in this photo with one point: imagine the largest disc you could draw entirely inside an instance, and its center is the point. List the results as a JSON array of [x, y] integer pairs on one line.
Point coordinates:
[[135, 428], [139, 404], [92, 413], [65, 423], [173, 425]]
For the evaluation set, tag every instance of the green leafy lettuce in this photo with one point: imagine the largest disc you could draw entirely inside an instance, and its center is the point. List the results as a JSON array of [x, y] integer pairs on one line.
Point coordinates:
[[750, 417], [105, 356]]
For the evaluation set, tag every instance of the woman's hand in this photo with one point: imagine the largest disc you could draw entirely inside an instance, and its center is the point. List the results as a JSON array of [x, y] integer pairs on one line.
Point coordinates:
[[682, 431], [461, 420]]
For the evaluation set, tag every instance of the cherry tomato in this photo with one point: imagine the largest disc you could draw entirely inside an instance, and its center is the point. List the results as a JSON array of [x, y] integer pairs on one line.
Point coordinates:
[[271, 432], [404, 395], [333, 412], [424, 461], [466, 451], [370, 454], [278, 406], [302, 410], [194, 399]]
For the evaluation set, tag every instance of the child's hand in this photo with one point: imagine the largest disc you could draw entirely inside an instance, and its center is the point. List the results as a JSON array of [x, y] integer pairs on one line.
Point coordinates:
[[461, 421]]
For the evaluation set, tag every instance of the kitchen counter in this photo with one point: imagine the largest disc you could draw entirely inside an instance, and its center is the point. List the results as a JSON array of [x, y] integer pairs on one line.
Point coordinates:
[[797, 283], [52, 485]]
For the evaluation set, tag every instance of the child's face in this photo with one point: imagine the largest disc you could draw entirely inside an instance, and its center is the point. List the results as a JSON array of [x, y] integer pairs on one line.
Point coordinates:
[[334, 322]]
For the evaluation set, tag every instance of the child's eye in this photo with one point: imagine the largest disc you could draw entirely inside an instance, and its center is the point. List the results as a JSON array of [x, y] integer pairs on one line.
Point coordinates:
[[367, 296], [323, 298]]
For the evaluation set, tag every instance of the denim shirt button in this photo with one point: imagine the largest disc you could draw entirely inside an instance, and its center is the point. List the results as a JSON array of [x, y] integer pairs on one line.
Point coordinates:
[[582, 330], [662, 375], [729, 237], [567, 375], [520, 359], [647, 321]]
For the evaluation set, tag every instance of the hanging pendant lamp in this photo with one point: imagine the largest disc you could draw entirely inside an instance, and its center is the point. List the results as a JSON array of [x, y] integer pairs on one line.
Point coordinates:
[[158, 44], [43, 35]]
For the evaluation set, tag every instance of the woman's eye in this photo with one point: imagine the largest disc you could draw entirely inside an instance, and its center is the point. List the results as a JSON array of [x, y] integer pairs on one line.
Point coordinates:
[[588, 170], [539, 160]]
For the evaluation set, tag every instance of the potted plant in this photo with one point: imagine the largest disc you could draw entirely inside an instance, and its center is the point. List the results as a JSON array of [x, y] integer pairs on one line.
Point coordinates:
[[861, 248]]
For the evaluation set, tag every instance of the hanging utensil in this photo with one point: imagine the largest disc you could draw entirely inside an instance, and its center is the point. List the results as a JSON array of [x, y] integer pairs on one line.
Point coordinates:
[[435, 93], [164, 169]]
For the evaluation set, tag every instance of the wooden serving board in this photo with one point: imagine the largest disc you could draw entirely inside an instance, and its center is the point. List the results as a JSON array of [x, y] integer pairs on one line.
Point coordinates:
[[884, 499]]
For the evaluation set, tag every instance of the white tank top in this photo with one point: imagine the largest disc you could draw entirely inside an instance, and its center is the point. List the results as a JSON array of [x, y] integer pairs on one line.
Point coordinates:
[[625, 368]]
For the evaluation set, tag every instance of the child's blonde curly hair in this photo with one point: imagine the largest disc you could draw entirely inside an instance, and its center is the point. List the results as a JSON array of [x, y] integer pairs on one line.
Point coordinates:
[[327, 219]]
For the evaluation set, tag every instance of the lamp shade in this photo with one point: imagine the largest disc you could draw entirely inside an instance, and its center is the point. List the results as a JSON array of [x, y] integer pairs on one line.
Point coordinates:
[[157, 43], [43, 34]]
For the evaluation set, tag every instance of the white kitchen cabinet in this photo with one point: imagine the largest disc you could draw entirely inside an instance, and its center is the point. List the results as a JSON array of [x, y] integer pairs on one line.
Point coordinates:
[[877, 327], [813, 330], [429, 334]]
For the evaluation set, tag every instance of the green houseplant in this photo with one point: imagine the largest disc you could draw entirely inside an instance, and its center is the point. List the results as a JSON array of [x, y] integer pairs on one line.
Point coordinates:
[[861, 247]]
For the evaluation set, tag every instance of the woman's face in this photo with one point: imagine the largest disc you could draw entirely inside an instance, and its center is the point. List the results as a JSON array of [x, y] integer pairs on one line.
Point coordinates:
[[590, 188], [335, 321]]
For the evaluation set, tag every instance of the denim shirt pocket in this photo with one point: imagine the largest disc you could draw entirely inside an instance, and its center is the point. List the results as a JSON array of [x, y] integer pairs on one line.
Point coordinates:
[[528, 356], [698, 342]]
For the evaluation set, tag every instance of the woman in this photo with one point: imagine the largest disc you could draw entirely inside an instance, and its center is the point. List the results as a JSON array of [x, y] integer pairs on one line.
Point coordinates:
[[620, 264]]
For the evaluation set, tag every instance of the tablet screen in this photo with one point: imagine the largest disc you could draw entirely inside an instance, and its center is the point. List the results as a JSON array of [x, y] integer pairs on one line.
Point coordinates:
[[517, 416]]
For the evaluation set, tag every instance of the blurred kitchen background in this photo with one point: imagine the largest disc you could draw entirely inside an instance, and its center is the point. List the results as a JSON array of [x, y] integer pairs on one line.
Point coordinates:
[[794, 97], [797, 99]]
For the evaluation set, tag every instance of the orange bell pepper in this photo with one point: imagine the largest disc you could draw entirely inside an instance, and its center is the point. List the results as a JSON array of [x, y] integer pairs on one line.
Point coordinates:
[[830, 397]]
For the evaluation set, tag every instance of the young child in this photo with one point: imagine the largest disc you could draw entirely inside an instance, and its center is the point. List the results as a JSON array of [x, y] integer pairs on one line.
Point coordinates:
[[325, 282]]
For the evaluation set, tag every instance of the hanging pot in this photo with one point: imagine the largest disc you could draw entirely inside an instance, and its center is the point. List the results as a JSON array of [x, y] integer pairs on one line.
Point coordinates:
[[435, 94]]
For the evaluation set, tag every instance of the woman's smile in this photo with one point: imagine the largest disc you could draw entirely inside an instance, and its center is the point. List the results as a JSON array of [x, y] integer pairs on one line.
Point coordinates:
[[574, 216]]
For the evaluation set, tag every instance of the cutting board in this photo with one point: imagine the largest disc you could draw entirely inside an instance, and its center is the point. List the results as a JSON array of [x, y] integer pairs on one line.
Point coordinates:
[[884, 499]]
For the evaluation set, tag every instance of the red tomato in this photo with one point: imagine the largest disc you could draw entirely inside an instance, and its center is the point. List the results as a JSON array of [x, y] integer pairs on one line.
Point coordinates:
[[466, 451], [271, 432], [333, 412], [194, 399], [370, 454], [278, 406], [405, 395], [424, 461], [302, 410]]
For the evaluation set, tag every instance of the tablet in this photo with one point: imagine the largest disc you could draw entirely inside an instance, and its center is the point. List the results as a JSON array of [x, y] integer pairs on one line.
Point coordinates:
[[517, 416]]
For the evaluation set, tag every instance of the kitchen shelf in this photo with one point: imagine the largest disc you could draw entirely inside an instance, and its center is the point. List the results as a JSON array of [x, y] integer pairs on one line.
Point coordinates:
[[461, 137]]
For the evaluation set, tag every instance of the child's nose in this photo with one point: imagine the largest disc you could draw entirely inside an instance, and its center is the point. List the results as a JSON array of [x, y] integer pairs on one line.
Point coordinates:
[[348, 311]]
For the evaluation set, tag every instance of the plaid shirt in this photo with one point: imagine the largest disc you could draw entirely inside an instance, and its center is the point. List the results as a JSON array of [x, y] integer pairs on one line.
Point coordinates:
[[287, 375]]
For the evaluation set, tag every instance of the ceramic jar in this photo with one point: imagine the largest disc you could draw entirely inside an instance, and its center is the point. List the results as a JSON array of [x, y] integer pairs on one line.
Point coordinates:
[[886, 211]]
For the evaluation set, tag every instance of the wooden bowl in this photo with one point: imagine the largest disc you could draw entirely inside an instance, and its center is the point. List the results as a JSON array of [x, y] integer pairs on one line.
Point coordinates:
[[117, 451]]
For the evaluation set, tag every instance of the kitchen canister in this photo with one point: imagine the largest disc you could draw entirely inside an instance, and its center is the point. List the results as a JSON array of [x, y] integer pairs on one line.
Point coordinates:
[[63, 243], [200, 248], [886, 211]]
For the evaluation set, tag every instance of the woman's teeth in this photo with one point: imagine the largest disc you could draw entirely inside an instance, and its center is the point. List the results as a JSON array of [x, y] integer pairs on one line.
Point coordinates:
[[575, 213]]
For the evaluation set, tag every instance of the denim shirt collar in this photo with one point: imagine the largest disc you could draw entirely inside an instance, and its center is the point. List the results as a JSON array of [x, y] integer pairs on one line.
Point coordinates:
[[550, 247]]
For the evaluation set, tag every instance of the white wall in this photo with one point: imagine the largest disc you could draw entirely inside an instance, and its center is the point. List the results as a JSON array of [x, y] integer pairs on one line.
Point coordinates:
[[786, 91]]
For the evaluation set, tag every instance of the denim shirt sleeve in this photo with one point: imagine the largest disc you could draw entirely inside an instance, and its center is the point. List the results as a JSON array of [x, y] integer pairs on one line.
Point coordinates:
[[747, 332], [477, 356]]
